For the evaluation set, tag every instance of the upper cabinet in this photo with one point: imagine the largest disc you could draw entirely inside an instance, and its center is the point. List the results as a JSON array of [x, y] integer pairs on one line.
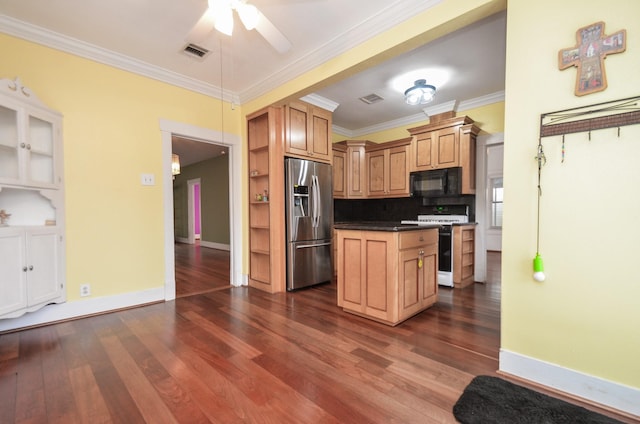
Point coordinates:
[[436, 149], [388, 169], [307, 132], [29, 139], [349, 169], [446, 143]]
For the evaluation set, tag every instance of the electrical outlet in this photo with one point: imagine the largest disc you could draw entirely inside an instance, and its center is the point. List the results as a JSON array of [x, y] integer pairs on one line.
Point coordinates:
[[147, 179], [85, 290]]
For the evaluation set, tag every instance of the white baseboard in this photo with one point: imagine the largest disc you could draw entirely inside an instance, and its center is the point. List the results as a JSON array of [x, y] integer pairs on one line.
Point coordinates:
[[243, 279], [214, 245], [594, 389], [79, 308]]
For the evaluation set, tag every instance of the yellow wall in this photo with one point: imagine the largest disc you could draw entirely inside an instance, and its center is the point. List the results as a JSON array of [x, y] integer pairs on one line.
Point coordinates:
[[111, 132], [585, 315]]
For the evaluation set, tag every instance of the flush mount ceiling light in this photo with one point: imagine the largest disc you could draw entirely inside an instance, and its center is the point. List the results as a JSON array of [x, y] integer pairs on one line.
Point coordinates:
[[421, 93]]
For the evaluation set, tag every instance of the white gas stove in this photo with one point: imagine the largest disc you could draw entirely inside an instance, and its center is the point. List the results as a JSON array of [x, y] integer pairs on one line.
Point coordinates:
[[437, 219], [445, 241]]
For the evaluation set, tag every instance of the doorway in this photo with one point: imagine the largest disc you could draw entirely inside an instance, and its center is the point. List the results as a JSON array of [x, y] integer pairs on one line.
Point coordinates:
[[195, 222], [192, 215], [489, 190], [233, 142]]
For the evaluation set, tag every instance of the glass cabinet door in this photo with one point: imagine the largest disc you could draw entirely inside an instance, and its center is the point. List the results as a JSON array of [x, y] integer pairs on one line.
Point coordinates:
[[39, 145], [9, 168], [27, 147]]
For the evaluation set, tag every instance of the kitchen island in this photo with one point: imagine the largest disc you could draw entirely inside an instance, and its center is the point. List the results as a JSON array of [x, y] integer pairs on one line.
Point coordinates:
[[386, 271]]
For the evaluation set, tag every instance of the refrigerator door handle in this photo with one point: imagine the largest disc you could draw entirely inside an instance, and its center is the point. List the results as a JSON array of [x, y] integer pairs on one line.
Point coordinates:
[[315, 190], [306, 246]]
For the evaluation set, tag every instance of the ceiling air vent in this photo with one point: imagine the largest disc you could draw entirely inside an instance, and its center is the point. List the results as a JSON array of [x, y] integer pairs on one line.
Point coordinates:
[[195, 50], [371, 98]]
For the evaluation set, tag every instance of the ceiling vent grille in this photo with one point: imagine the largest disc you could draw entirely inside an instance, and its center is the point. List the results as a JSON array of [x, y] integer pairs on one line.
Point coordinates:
[[195, 50], [371, 99]]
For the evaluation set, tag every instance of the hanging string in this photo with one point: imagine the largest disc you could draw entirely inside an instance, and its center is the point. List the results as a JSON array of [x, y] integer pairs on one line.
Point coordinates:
[[221, 90], [562, 148], [542, 160]]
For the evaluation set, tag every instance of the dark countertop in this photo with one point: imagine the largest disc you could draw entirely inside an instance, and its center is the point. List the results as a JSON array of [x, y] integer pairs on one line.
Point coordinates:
[[381, 226]]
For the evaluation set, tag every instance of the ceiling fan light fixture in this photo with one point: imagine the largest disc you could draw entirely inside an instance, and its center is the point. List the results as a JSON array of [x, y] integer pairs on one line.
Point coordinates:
[[249, 15], [224, 20], [421, 93]]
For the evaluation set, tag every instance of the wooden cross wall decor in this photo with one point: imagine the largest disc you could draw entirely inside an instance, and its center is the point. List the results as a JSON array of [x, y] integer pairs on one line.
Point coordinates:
[[588, 56]]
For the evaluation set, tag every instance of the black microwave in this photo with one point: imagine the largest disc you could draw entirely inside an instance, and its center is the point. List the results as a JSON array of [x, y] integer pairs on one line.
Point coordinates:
[[436, 183]]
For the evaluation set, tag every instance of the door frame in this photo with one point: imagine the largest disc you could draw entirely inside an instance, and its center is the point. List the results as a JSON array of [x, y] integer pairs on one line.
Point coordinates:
[[191, 206], [480, 260], [234, 143]]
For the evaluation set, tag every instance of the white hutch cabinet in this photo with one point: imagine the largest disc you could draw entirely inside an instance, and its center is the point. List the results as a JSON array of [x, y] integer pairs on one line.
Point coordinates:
[[32, 245]]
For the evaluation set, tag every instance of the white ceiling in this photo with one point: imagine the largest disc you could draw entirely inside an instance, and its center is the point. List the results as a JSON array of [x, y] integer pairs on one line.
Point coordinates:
[[148, 37]]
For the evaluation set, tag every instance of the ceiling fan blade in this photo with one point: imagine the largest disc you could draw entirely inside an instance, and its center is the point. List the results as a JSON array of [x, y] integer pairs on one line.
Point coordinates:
[[272, 35], [202, 28]]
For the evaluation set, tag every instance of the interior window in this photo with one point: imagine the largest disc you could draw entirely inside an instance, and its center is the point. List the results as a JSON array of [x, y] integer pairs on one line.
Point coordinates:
[[496, 202]]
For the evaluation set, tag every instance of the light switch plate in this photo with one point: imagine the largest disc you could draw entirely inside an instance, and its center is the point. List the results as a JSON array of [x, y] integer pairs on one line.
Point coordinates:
[[147, 179]]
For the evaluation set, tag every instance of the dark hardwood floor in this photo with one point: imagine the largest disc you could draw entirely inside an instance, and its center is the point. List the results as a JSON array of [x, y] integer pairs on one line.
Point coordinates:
[[200, 269], [238, 355]]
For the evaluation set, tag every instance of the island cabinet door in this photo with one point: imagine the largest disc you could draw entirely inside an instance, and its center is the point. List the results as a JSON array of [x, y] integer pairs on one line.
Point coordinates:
[[350, 279], [429, 274], [417, 279], [410, 279], [380, 268], [366, 282]]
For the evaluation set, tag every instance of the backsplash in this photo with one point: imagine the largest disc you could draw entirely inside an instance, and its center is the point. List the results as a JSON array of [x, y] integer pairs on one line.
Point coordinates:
[[346, 210]]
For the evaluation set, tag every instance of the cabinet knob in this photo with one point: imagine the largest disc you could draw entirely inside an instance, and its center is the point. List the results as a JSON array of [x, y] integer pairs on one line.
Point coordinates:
[[30, 267], [28, 146], [23, 145], [24, 269]]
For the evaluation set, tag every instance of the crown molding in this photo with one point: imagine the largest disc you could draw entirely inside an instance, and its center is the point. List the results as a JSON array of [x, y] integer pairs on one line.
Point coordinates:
[[320, 101], [441, 108], [419, 117], [394, 14], [80, 48], [496, 97]]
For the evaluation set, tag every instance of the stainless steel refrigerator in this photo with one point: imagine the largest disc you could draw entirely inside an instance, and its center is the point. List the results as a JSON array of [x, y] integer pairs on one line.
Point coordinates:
[[309, 220]]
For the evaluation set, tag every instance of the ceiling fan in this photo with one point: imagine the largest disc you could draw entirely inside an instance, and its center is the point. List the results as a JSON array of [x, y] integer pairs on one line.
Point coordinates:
[[219, 15]]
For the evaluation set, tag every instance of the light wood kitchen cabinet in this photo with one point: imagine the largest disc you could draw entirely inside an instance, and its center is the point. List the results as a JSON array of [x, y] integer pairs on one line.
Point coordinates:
[[307, 132], [387, 276], [387, 169], [338, 163], [266, 217], [295, 129], [436, 149], [463, 255], [446, 143], [349, 169], [32, 246]]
